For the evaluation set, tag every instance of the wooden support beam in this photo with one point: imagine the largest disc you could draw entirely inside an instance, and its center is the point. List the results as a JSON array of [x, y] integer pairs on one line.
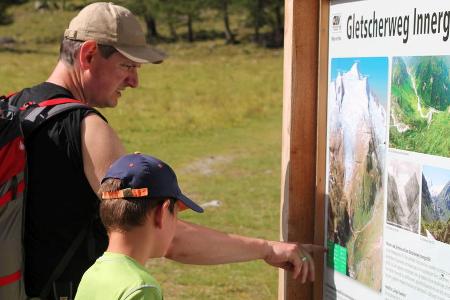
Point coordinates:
[[322, 102], [304, 113]]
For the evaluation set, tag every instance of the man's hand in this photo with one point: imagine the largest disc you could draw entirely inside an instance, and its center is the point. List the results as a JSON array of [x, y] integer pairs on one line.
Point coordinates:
[[294, 257], [195, 244]]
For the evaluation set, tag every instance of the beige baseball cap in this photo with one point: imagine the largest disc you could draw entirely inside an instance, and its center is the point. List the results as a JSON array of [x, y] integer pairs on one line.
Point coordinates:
[[113, 25]]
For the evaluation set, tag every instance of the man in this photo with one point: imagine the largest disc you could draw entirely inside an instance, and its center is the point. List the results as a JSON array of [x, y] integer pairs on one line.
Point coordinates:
[[99, 58]]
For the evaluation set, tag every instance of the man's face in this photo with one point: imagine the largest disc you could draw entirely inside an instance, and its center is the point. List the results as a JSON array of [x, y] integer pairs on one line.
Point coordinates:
[[108, 78]]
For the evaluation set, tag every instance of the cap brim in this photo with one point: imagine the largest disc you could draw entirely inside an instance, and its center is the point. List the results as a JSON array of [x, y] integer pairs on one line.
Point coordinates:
[[190, 204], [142, 55]]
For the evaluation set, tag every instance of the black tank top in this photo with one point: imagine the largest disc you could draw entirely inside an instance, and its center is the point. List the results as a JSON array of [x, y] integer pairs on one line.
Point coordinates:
[[60, 201]]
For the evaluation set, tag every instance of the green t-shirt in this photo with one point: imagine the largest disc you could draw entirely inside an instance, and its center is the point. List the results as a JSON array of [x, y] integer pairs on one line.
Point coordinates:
[[117, 276]]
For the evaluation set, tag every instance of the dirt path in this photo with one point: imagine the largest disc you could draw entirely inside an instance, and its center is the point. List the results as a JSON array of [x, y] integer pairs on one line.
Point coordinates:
[[374, 213], [401, 127], [431, 111]]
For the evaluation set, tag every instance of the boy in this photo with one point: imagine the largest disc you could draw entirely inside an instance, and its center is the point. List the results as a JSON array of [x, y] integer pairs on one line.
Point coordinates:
[[140, 199]]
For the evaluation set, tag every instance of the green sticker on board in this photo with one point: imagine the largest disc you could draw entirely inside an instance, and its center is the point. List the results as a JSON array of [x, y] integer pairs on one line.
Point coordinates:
[[337, 257]]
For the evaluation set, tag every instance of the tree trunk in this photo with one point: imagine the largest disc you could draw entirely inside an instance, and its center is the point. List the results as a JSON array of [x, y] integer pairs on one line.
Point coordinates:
[[189, 27], [172, 30], [279, 28], [257, 37], [152, 32], [226, 21], [259, 11]]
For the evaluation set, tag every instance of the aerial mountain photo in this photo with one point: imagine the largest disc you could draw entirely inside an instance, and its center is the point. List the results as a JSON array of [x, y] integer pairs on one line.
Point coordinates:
[[420, 104], [403, 194], [435, 223], [357, 150]]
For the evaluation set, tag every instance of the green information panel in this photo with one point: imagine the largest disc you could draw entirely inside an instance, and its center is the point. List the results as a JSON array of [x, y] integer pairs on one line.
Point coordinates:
[[337, 257]]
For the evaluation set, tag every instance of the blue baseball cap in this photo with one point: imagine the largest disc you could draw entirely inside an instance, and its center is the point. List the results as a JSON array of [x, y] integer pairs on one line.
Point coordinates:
[[145, 176]]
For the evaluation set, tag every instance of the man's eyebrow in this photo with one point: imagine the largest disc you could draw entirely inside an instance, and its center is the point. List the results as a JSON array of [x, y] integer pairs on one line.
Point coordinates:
[[130, 65]]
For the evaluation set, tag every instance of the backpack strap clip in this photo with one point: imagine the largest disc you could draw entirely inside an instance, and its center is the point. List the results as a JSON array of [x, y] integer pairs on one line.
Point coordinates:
[[28, 104], [7, 111]]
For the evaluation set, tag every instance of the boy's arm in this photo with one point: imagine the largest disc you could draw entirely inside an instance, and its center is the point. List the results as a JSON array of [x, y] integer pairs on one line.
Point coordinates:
[[100, 148], [195, 244]]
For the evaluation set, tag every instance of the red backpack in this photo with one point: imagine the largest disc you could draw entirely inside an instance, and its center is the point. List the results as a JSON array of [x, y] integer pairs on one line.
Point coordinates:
[[16, 123]]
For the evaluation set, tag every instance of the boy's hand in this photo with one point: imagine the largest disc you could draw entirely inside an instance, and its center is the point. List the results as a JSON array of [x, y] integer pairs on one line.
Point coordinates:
[[294, 257]]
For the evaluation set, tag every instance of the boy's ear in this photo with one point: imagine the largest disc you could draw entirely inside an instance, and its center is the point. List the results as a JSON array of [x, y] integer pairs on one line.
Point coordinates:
[[158, 217], [87, 51], [160, 213]]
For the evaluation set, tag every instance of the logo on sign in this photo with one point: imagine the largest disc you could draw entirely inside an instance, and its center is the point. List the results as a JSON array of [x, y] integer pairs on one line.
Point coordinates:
[[336, 23]]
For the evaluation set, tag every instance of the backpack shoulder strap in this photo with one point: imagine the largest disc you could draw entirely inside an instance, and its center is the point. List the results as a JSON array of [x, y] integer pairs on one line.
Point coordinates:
[[36, 114], [64, 262]]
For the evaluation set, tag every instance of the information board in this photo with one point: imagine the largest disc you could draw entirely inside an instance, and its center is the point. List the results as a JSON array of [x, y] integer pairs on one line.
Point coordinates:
[[388, 150]]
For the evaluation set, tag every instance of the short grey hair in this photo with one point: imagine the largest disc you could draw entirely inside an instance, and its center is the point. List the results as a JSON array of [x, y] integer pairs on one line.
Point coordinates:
[[69, 49]]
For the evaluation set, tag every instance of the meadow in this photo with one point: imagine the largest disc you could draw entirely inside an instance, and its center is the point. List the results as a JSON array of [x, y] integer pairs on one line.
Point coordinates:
[[213, 111]]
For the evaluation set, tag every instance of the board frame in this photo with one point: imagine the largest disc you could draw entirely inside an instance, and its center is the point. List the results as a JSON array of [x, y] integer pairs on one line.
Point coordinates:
[[303, 165]]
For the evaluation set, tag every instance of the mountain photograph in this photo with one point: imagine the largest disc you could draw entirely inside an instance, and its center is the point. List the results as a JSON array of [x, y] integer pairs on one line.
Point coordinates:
[[435, 208], [420, 104], [356, 158], [403, 196]]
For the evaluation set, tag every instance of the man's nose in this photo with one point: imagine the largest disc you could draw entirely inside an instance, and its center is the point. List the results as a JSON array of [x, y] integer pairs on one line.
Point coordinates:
[[133, 78]]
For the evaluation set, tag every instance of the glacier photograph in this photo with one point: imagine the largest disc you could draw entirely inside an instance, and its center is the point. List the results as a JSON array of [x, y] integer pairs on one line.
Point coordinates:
[[403, 194], [435, 208], [357, 128], [420, 104]]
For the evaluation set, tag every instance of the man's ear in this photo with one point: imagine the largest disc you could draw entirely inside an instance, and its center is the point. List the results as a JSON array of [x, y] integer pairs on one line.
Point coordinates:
[[86, 53]]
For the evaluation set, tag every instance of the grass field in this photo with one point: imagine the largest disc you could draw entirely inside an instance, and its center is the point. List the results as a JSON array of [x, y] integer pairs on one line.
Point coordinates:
[[214, 113]]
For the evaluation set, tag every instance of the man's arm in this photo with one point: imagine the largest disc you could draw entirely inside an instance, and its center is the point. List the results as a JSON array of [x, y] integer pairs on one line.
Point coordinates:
[[195, 244], [101, 147]]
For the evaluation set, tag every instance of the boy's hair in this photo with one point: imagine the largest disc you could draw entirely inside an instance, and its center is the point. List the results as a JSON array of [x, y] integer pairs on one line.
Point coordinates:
[[122, 214]]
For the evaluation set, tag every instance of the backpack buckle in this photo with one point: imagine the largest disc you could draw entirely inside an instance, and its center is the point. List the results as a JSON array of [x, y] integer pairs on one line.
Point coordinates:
[[7, 112], [27, 105]]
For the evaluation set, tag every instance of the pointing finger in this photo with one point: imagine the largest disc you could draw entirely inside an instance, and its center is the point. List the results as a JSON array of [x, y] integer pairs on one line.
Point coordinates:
[[313, 248]]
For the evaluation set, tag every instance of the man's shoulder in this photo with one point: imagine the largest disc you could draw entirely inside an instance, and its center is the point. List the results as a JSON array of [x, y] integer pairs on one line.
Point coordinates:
[[40, 92], [50, 91]]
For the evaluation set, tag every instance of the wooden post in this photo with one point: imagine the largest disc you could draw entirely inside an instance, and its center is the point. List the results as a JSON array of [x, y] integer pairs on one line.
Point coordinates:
[[304, 116], [322, 101]]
